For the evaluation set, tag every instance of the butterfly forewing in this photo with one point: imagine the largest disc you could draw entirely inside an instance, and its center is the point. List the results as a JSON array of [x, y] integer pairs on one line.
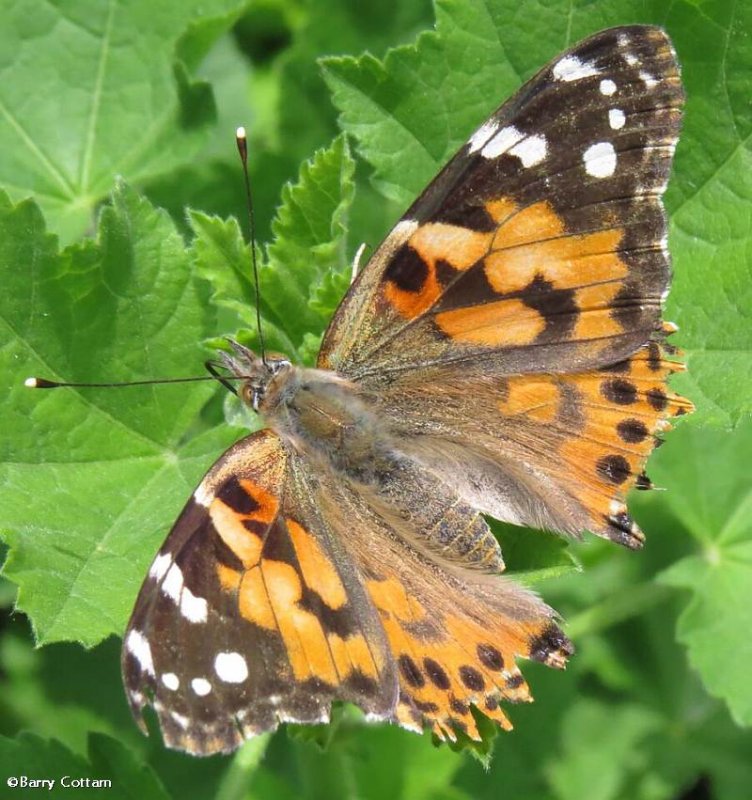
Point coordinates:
[[501, 322], [251, 615], [542, 245]]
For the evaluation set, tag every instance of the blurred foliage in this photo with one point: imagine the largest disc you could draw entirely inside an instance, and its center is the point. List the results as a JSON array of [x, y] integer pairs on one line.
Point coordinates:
[[128, 260]]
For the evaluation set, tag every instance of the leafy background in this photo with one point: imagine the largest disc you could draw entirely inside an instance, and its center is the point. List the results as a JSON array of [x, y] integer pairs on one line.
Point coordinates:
[[121, 258]]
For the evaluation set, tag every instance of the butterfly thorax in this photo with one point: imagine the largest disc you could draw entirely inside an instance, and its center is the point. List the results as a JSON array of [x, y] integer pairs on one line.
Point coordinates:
[[317, 413], [324, 417]]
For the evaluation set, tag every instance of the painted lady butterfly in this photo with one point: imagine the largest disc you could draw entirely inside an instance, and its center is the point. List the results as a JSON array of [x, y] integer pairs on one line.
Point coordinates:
[[501, 353]]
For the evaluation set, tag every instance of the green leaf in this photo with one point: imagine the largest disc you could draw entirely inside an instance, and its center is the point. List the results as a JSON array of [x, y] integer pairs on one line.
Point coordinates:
[[711, 201], [410, 112], [364, 761], [532, 556], [306, 269], [31, 757], [711, 499], [134, 780], [115, 100], [104, 471], [29, 701], [244, 765], [282, 99], [306, 118], [212, 180], [309, 240], [601, 758]]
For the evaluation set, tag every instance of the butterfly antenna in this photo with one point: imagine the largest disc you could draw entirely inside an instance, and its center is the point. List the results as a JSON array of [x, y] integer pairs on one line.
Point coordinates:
[[242, 143], [45, 383]]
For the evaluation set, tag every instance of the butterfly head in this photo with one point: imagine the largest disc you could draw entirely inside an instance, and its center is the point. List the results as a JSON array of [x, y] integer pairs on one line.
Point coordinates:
[[257, 373]]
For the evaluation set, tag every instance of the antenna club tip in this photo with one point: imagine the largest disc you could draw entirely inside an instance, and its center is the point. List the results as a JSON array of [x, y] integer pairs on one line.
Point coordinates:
[[40, 383], [240, 133]]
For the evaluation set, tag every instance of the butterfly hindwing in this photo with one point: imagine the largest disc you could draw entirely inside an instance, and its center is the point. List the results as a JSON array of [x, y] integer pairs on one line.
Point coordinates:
[[543, 242], [554, 451], [250, 616], [455, 633]]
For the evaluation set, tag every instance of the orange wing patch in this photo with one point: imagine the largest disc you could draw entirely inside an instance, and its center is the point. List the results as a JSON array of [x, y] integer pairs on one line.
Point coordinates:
[[537, 397], [626, 407], [241, 513], [534, 241], [533, 245], [503, 323], [413, 284], [529, 257], [271, 593], [318, 571], [305, 641]]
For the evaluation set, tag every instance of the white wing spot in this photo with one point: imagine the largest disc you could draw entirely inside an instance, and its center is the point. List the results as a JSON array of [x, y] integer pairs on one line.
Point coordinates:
[[231, 667], [399, 234], [648, 79], [194, 609], [172, 585], [607, 87], [622, 39], [356, 261], [171, 681], [600, 160], [180, 719], [501, 142], [138, 646], [201, 686], [482, 135], [203, 496], [631, 59], [616, 118], [322, 719], [616, 507], [570, 68], [531, 150], [159, 566]]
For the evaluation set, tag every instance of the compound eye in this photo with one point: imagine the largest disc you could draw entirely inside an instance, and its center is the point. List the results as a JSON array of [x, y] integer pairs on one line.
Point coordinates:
[[247, 394]]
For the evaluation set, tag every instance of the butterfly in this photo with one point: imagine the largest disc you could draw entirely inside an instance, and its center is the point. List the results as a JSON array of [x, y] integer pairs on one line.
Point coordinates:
[[502, 353]]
